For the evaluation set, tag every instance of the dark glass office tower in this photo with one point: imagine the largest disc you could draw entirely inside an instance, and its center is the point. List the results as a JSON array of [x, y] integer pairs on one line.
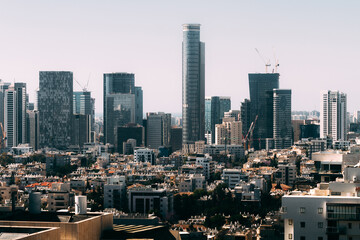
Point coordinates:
[[225, 106], [119, 102], [261, 86], [21, 102], [193, 84], [282, 118], [139, 105], [84, 117], [82, 103], [246, 117], [55, 104]]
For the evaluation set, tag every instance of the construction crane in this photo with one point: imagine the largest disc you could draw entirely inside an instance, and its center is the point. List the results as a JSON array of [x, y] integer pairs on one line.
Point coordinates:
[[267, 63], [276, 61], [84, 88], [251, 129], [3, 139]]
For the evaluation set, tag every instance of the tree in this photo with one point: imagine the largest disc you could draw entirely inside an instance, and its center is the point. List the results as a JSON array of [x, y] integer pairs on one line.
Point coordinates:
[[37, 158], [96, 198], [216, 221], [6, 159]]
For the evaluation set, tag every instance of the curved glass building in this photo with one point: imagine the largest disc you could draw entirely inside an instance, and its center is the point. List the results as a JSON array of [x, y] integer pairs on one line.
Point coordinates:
[[193, 84]]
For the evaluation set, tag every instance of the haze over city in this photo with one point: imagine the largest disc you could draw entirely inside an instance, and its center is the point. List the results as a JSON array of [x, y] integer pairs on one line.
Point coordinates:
[[316, 43]]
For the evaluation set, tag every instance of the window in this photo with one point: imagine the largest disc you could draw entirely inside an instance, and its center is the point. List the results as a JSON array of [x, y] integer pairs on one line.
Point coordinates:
[[302, 224], [320, 224], [290, 222], [320, 238], [290, 235], [349, 225], [284, 209], [302, 210], [320, 210], [302, 238]]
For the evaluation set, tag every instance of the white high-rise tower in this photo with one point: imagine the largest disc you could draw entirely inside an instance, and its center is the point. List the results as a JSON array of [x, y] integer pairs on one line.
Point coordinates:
[[333, 121]]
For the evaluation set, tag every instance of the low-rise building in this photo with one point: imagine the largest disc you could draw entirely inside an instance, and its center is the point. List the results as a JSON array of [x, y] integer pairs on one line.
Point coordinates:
[[193, 182]]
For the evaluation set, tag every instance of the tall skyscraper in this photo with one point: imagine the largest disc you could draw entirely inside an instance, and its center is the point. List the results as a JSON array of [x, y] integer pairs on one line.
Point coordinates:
[[282, 118], [154, 130], [10, 119], [33, 128], [84, 117], [139, 105], [193, 84], [333, 121], [245, 116], [212, 116], [165, 128], [158, 127], [122, 103], [225, 105], [21, 107], [261, 96], [15, 106], [55, 105], [215, 107], [3, 87], [82, 103]]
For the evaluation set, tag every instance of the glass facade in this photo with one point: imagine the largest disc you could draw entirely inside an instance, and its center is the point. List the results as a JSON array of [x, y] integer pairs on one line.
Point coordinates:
[[123, 103], [261, 86], [55, 104], [193, 80], [120, 111], [282, 118], [225, 105]]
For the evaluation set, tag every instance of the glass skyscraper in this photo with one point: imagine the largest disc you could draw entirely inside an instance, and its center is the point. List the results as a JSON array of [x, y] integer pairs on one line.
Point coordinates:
[[282, 118], [82, 103], [225, 105], [55, 104], [215, 107], [261, 96], [123, 103], [193, 84]]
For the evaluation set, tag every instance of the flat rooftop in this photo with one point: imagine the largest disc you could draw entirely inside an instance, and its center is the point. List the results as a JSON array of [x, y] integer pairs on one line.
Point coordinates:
[[67, 217]]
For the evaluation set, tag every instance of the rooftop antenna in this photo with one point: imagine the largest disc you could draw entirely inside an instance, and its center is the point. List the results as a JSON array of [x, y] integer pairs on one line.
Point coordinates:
[[267, 64]]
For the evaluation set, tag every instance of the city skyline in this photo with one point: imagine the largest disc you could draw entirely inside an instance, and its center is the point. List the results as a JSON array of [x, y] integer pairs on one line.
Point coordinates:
[[318, 42]]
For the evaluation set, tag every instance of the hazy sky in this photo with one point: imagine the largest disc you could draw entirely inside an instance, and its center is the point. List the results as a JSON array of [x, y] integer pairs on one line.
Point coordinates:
[[317, 44]]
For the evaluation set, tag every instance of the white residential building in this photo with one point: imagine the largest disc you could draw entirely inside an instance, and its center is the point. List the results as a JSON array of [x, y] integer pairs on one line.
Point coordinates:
[[333, 120], [144, 155], [331, 211], [193, 182], [114, 191], [207, 164], [232, 177]]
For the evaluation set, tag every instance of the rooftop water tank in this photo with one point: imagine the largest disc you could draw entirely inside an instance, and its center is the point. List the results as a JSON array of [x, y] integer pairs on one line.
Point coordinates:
[[80, 205], [35, 203]]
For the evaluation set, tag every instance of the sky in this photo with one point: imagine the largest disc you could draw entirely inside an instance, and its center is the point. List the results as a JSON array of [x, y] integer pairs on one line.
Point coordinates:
[[317, 44]]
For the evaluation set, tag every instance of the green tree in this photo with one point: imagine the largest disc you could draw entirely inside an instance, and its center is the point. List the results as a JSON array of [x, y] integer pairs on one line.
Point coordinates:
[[37, 158], [6, 159]]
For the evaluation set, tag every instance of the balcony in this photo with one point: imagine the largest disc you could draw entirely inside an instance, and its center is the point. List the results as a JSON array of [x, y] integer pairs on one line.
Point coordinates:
[[343, 216], [336, 230]]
